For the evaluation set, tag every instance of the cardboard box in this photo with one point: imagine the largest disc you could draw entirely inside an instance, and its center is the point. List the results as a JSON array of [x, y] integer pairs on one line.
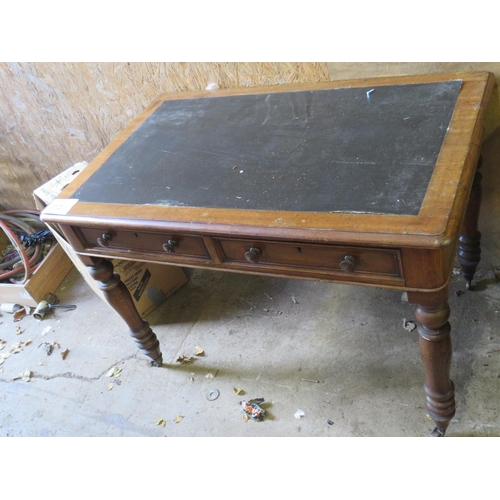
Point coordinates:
[[50, 190], [149, 284]]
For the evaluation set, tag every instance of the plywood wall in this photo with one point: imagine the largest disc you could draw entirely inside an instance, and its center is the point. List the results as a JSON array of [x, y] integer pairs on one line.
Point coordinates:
[[53, 115]]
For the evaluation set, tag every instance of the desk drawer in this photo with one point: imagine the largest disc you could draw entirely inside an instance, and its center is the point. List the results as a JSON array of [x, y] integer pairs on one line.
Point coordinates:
[[307, 257], [130, 241]]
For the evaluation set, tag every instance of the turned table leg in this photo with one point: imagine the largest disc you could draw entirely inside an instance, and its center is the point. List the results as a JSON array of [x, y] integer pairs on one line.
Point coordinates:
[[469, 244], [119, 298], [435, 348]]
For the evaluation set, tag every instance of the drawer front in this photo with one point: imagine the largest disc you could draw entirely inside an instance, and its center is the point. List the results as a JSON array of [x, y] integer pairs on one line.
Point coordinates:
[[130, 241], [308, 257]]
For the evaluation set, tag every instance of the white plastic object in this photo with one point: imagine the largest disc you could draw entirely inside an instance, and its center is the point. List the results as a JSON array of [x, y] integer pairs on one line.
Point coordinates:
[[8, 307]]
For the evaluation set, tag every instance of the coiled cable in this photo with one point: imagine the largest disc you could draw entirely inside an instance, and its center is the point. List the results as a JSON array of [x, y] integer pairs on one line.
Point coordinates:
[[18, 225]]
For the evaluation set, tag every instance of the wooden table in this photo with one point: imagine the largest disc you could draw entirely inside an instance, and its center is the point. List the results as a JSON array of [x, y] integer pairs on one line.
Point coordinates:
[[367, 182]]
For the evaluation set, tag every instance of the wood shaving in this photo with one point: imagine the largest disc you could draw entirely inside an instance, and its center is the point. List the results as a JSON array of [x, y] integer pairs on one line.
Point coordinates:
[[184, 359], [199, 351]]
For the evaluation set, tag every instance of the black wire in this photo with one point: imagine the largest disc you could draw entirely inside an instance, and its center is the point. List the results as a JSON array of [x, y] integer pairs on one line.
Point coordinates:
[[37, 238]]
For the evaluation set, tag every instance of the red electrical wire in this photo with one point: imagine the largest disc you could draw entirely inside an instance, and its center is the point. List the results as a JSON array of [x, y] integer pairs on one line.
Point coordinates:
[[28, 264], [31, 267]]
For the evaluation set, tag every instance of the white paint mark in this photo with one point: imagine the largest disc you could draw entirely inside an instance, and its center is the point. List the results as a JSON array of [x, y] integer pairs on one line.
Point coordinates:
[[268, 109]]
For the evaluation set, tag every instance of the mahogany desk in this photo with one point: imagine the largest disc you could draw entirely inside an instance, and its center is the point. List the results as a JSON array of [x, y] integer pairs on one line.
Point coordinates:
[[368, 182]]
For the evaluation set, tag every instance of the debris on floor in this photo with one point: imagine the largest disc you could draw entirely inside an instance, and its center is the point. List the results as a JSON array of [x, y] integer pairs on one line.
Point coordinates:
[[211, 374], [329, 422], [178, 419], [49, 347], [161, 422], [252, 409], [184, 359], [21, 313], [238, 391], [46, 330], [114, 372], [299, 414], [15, 349], [213, 394], [409, 325], [275, 311]]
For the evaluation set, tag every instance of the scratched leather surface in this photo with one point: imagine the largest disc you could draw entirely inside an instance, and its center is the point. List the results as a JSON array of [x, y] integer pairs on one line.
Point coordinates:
[[339, 150]]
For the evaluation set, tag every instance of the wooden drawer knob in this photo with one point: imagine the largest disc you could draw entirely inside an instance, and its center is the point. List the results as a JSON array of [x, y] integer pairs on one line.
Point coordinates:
[[253, 255], [104, 240], [347, 264], [170, 246]]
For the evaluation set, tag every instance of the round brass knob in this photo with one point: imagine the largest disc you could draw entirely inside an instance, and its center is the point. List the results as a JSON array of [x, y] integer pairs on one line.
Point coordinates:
[[104, 240], [170, 246], [347, 264], [253, 255]]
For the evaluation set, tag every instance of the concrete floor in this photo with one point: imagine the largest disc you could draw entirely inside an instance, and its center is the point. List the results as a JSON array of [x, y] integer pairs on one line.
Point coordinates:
[[273, 338]]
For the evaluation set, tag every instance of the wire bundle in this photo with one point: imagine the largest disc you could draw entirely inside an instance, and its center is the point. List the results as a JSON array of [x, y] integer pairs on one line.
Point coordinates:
[[34, 239], [18, 264]]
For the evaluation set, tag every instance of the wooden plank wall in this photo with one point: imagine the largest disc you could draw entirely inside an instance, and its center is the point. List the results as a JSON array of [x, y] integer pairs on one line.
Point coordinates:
[[53, 115]]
